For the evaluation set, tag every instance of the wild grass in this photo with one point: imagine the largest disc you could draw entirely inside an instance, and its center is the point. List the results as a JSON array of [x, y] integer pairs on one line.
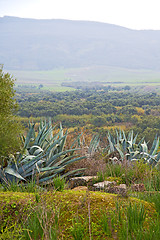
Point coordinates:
[[137, 172], [82, 215], [59, 183], [56, 213], [42, 223], [78, 228]]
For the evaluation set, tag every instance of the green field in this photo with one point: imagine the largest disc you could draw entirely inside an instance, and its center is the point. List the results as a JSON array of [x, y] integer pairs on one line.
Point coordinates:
[[109, 75]]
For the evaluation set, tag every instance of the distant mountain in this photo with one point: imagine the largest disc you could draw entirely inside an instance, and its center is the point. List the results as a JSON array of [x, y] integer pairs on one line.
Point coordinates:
[[29, 44]]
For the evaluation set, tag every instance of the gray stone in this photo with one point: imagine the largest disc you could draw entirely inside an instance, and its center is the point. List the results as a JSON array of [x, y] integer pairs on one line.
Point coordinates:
[[103, 185], [138, 187], [121, 190], [81, 181]]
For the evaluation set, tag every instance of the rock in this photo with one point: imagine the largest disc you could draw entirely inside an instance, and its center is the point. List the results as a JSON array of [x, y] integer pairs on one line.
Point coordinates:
[[86, 183], [110, 187], [138, 187], [121, 190], [81, 181], [80, 188], [103, 185]]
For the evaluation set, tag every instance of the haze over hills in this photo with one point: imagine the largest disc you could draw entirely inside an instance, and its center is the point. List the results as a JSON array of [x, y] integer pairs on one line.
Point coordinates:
[[29, 44]]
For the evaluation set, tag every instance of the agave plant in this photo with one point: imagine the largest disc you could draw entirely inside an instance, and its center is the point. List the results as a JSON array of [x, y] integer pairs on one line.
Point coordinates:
[[128, 148], [94, 144], [43, 156]]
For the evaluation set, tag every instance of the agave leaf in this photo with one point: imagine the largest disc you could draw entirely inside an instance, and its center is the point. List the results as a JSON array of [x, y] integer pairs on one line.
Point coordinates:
[[144, 147], [135, 154], [155, 146], [56, 142], [45, 135], [135, 138], [118, 138], [73, 160], [43, 172], [34, 148], [141, 141], [157, 162], [63, 141], [45, 180], [56, 156], [40, 134], [61, 130], [41, 125], [120, 152], [65, 159], [27, 159], [47, 174], [47, 169], [130, 138], [94, 143], [73, 172], [38, 151], [23, 168], [32, 170], [48, 143], [46, 161], [158, 157], [124, 136], [120, 134], [76, 140], [130, 143], [13, 173], [29, 136], [111, 144], [124, 145], [22, 138]]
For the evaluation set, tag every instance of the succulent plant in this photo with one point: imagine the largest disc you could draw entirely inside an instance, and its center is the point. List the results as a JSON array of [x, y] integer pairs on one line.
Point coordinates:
[[94, 144], [43, 156], [128, 148]]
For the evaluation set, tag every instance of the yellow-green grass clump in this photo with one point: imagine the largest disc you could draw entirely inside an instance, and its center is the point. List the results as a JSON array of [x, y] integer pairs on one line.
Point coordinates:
[[88, 207]]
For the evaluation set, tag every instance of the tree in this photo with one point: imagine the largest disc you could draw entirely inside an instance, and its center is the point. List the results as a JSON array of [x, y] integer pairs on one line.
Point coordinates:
[[9, 127]]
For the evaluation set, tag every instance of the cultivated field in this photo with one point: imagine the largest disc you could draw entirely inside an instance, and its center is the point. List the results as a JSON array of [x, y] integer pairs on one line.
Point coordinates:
[[52, 80]]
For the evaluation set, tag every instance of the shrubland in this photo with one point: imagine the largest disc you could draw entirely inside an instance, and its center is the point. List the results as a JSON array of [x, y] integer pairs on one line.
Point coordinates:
[[36, 202], [95, 110]]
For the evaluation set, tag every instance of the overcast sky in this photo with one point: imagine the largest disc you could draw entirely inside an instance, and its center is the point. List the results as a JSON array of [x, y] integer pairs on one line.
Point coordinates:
[[135, 14]]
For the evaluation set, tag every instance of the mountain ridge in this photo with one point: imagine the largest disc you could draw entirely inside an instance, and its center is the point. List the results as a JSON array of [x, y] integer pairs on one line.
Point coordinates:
[[38, 44]]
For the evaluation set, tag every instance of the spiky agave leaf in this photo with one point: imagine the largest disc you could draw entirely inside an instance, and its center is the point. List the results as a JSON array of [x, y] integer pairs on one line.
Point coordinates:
[[144, 147], [93, 144], [155, 146], [43, 156], [29, 136], [13, 173]]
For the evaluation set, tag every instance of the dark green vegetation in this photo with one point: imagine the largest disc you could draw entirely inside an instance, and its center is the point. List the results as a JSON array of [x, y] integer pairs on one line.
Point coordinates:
[[9, 129], [97, 110]]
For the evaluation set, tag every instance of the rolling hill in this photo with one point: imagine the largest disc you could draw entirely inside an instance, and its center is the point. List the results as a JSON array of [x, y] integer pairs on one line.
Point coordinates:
[[29, 44]]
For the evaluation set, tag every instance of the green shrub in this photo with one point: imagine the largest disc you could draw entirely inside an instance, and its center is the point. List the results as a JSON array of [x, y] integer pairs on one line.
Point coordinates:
[[59, 183]]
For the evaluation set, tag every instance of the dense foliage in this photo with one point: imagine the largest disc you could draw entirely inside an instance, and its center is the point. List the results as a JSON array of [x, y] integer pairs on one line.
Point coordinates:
[[44, 155], [97, 109], [9, 128]]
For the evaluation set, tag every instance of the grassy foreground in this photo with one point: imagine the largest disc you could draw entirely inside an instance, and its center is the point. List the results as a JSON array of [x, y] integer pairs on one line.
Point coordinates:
[[76, 215]]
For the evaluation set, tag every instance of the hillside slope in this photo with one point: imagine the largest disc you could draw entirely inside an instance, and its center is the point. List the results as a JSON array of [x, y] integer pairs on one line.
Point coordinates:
[[30, 44]]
